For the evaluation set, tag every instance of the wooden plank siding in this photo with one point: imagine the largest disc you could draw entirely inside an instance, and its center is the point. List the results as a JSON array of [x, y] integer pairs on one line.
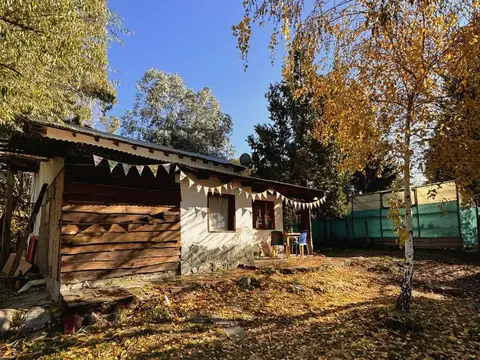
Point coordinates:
[[118, 225], [48, 248]]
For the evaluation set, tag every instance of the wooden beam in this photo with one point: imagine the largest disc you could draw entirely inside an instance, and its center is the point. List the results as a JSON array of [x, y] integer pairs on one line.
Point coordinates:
[[203, 175], [7, 217], [27, 231]]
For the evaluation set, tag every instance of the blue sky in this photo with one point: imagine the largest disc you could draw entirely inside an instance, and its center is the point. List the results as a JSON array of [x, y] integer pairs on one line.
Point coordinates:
[[194, 39]]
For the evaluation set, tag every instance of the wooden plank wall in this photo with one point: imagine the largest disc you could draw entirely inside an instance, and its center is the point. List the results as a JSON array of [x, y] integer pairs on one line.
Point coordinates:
[[48, 248], [115, 225]]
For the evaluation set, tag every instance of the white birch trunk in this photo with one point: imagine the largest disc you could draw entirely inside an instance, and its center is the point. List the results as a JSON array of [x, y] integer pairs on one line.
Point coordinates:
[[405, 297]]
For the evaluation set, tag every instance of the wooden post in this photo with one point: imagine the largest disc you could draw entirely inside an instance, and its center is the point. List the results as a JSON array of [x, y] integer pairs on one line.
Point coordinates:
[[477, 201], [310, 233], [306, 221], [7, 218], [26, 232]]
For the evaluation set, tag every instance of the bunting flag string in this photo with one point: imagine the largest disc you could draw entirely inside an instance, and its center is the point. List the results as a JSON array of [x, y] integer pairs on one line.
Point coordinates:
[[97, 159], [232, 186], [126, 168], [112, 164], [140, 169], [153, 169]]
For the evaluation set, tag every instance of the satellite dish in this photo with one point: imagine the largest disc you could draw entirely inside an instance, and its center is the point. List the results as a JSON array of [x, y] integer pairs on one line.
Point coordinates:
[[245, 159]]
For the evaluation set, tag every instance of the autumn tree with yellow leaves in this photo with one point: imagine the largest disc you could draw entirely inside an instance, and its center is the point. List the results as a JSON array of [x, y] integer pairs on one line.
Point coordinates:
[[387, 66]]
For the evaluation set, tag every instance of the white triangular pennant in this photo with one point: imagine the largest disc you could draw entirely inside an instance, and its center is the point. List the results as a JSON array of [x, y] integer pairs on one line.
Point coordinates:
[[190, 183], [240, 190], [166, 167], [271, 191], [278, 195], [112, 164], [126, 168], [219, 189], [199, 188], [225, 186], [182, 175], [153, 169], [247, 194], [97, 159], [140, 169], [212, 190], [205, 190], [254, 196]]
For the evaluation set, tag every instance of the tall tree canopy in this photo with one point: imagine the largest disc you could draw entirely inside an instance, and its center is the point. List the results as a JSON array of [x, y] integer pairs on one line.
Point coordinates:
[[168, 113], [386, 65], [286, 150], [53, 62]]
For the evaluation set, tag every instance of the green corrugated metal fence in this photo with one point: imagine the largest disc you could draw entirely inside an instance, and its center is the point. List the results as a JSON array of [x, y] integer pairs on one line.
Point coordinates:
[[438, 222]]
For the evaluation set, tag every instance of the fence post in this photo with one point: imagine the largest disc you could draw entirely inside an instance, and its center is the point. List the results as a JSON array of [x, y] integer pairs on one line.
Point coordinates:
[[381, 220], [418, 213], [458, 216], [348, 230], [353, 220], [366, 232]]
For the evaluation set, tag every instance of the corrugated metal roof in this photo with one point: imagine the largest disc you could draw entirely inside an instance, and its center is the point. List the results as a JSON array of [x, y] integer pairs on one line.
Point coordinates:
[[294, 190], [93, 132]]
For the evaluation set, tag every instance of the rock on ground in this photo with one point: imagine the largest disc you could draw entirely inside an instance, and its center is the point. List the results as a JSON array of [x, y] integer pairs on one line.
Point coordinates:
[[36, 318], [6, 319], [235, 333]]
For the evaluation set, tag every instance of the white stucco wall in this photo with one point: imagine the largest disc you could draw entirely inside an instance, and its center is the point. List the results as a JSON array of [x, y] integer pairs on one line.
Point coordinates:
[[46, 174], [205, 251]]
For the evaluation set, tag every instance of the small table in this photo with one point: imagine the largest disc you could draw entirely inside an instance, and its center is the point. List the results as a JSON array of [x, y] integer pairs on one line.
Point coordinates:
[[287, 237]]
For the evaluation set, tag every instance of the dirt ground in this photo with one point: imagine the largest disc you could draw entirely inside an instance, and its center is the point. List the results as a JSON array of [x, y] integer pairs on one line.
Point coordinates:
[[341, 307]]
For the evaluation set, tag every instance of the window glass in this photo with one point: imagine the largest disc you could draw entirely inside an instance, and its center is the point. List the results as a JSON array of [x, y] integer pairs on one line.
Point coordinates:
[[221, 213], [264, 215]]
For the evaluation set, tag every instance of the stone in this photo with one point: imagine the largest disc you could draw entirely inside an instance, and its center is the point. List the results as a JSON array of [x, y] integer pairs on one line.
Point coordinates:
[[245, 282], [235, 332], [213, 319], [7, 317], [99, 320], [36, 318]]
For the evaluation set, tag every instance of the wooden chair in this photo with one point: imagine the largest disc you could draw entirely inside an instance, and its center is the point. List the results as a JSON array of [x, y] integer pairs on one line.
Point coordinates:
[[276, 239]]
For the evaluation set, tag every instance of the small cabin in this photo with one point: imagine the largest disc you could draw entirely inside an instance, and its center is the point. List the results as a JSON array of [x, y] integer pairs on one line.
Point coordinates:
[[117, 207]]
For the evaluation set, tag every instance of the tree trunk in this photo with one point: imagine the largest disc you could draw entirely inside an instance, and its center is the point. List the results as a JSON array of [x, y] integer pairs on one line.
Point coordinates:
[[7, 217], [405, 297]]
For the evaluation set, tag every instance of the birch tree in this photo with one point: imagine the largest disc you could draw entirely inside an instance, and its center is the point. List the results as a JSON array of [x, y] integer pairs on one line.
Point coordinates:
[[386, 65]]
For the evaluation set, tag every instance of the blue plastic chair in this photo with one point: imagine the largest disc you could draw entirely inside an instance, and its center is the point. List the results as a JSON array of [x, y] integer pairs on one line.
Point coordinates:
[[302, 241]]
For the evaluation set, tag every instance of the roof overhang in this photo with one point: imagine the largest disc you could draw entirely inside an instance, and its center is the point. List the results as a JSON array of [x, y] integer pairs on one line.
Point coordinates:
[[41, 142]]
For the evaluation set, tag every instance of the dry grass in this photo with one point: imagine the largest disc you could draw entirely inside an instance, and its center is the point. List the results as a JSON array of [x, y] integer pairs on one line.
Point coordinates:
[[336, 313]]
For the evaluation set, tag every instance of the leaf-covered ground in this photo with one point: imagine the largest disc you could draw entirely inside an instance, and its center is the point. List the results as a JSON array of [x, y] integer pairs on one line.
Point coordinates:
[[339, 312]]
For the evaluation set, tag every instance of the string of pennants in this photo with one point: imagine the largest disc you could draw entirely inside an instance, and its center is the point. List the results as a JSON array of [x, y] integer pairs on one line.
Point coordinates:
[[208, 189]]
